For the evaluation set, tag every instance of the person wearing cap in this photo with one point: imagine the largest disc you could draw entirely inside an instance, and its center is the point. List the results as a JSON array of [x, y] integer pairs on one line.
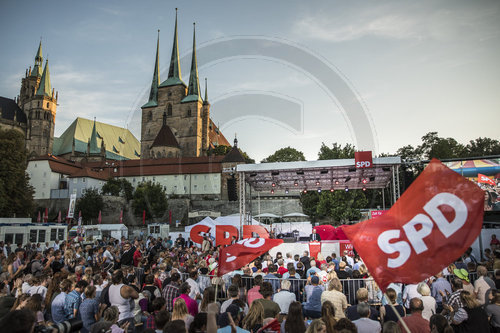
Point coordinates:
[[312, 308], [463, 275], [314, 284]]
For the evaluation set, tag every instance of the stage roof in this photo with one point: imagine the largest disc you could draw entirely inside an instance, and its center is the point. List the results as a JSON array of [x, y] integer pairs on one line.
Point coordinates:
[[324, 174]]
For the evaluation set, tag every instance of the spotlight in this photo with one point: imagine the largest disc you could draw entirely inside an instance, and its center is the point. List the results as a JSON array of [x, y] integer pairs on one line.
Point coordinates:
[[272, 191], [317, 182], [319, 190], [347, 188], [364, 180], [364, 188], [273, 184], [295, 184], [286, 191], [305, 190], [331, 190], [336, 182]]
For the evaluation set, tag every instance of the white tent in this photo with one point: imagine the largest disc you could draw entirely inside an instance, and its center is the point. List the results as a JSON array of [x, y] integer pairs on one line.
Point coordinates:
[[267, 215], [206, 221], [113, 230], [295, 215]]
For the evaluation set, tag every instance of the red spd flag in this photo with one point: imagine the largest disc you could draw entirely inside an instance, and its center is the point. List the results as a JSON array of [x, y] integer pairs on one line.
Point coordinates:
[[485, 179], [235, 256], [436, 219]]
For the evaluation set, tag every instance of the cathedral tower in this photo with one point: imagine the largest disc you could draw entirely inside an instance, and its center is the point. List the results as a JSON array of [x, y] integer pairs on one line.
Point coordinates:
[[39, 102], [176, 109]]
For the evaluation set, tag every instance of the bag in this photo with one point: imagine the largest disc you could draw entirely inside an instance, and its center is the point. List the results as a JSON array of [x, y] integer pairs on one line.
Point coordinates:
[[27, 269]]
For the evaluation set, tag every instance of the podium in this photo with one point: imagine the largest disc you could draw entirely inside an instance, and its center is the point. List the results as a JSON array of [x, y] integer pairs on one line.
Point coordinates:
[[314, 249]]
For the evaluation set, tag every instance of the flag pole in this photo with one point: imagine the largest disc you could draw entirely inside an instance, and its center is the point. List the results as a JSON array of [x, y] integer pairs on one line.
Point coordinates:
[[397, 313]]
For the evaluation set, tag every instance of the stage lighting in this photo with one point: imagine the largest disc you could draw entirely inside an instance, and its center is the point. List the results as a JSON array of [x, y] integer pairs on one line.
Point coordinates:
[[347, 188], [364, 180], [286, 191], [272, 191], [319, 190], [273, 184]]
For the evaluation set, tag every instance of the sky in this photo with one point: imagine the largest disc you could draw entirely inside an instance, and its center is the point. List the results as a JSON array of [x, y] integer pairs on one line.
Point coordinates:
[[379, 75]]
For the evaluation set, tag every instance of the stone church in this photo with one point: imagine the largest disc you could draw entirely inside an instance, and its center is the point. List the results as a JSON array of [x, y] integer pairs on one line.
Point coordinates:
[[176, 120]]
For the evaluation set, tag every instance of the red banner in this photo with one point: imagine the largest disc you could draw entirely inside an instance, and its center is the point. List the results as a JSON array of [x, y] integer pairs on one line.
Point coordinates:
[[99, 219], [346, 246], [143, 217], [485, 179], [121, 216], [363, 159], [436, 219], [314, 249], [375, 213], [235, 256]]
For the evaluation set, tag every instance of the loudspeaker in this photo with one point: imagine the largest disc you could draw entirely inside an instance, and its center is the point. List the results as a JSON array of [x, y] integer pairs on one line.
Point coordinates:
[[232, 192]]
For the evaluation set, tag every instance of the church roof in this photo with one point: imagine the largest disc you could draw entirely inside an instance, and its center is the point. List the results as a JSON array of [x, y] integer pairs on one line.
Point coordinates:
[[174, 72], [234, 154], [125, 143], [37, 69], [165, 138], [193, 94], [215, 136], [45, 89], [153, 94], [9, 108]]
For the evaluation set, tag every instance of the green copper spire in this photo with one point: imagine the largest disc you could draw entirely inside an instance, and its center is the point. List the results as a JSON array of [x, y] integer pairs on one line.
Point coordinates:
[[37, 69], [45, 89], [94, 149], [194, 83], [174, 71], [153, 94]]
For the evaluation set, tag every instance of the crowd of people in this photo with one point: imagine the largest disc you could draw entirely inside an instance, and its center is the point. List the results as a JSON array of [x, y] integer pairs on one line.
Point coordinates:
[[166, 285]]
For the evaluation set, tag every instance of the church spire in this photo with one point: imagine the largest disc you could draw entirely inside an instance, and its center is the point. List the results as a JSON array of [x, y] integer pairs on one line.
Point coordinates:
[[37, 69], [174, 71], [45, 89], [93, 141], [153, 94], [194, 83], [205, 101]]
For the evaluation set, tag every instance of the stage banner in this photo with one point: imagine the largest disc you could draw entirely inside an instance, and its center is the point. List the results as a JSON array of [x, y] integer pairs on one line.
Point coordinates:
[[346, 246], [314, 249], [376, 213]]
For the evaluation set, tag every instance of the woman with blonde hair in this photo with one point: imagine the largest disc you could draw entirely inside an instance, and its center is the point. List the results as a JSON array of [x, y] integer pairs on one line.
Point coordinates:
[[471, 317], [253, 321], [428, 301], [317, 326], [180, 312], [335, 295]]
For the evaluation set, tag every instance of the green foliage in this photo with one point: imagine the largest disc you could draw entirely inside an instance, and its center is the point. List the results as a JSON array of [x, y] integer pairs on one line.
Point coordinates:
[[220, 150], [16, 193], [337, 151], [482, 147], [150, 197], [247, 158], [435, 147], [118, 187], [341, 206], [89, 204], [287, 154], [309, 202]]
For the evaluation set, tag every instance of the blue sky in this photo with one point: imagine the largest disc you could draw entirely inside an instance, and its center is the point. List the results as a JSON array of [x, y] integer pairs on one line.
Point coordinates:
[[413, 67]]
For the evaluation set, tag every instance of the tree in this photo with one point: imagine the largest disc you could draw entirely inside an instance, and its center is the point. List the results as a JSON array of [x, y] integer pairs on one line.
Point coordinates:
[[118, 187], [337, 151], [341, 206], [434, 146], [150, 197], [16, 193], [482, 147], [90, 204], [220, 150], [287, 154], [309, 202]]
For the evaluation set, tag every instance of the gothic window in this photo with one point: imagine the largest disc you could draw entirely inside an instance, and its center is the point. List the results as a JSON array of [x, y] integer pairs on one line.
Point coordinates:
[[48, 105], [189, 113], [169, 110], [150, 116]]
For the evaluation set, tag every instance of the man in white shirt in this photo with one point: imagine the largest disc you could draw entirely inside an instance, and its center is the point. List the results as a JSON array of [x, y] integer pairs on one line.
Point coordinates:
[[195, 289], [284, 297]]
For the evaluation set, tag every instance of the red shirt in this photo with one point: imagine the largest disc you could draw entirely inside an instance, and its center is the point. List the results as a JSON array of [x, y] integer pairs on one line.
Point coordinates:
[[137, 257], [282, 270], [416, 323]]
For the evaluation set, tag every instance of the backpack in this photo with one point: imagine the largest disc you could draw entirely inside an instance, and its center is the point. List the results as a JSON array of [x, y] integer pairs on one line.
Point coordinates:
[[105, 295], [27, 269]]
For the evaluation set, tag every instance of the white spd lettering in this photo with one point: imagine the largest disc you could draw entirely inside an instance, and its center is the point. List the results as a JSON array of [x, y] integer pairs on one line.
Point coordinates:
[[425, 223], [363, 164], [249, 242]]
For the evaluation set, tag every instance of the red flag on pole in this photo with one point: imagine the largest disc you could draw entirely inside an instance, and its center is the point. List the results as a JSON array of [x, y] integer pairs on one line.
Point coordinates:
[[59, 219], [170, 217], [143, 217], [436, 219], [46, 215], [99, 218], [485, 179], [38, 219], [243, 252], [121, 216]]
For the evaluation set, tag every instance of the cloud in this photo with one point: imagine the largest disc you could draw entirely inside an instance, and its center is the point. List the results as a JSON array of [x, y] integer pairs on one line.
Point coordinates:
[[397, 21]]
